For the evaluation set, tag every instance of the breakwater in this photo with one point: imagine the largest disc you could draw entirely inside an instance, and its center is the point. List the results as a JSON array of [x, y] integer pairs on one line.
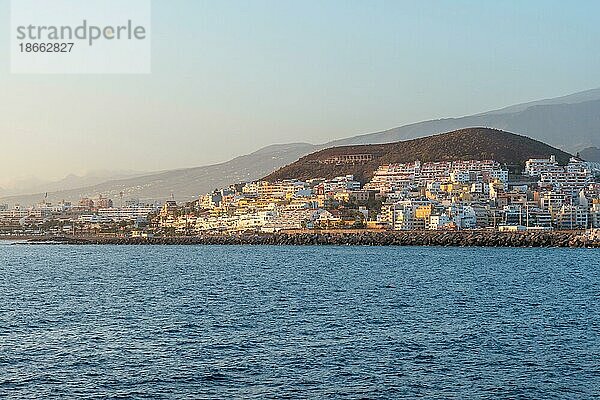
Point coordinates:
[[359, 238]]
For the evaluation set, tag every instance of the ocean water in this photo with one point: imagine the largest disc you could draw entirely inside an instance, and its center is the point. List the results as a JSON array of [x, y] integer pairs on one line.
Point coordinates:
[[298, 322]]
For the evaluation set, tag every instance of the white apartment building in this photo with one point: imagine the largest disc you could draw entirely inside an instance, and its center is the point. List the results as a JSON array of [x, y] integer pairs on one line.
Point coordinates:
[[435, 171], [216, 224], [595, 215], [405, 219], [40, 211], [460, 176], [341, 183], [402, 215], [49, 208], [250, 189], [210, 200], [298, 219], [398, 177], [465, 217], [476, 165], [93, 219], [394, 177], [499, 174], [577, 165], [572, 217], [279, 189], [567, 182], [553, 200], [437, 222], [571, 178], [254, 221], [539, 166]]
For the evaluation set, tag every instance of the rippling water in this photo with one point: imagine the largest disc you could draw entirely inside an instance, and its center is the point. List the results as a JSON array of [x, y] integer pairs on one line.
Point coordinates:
[[299, 322]]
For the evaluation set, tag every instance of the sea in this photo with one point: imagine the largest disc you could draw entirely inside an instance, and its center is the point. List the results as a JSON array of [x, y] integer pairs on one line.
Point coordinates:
[[278, 322]]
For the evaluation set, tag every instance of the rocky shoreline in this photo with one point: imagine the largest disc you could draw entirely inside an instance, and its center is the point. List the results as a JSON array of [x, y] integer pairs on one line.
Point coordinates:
[[580, 239]]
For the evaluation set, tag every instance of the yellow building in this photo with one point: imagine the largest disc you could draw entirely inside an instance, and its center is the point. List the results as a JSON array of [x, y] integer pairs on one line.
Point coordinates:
[[424, 212]]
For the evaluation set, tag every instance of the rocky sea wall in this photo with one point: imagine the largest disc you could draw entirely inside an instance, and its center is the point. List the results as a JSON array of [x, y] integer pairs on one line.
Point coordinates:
[[359, 238]]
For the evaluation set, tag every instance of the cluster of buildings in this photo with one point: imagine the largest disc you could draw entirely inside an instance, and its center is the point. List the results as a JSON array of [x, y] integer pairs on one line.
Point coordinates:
[[89, 215], [272, 206], [452, 195], [462, 194], [480, 194]]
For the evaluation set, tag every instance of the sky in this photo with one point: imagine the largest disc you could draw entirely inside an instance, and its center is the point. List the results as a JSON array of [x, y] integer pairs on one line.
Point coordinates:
[[229, 77]]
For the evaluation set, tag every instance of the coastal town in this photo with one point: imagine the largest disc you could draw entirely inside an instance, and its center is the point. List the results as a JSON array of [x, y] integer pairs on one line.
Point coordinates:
[[437, 196]]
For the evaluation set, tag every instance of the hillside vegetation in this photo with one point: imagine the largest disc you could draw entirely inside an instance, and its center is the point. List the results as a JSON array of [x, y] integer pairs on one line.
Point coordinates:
[[464, 144]]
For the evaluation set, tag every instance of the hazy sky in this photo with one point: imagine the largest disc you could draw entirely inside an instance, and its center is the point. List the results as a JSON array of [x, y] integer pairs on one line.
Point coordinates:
[[232, 76]]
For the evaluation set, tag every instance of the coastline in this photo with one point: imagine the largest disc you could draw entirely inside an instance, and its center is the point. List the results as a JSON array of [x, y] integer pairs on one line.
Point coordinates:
[[574, 239]]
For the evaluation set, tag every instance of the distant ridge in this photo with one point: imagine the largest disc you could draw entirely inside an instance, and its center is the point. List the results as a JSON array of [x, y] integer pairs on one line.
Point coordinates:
[[571, 127], [571, 123], [184, 184], [463, 144], [590, 154], [575, 98]]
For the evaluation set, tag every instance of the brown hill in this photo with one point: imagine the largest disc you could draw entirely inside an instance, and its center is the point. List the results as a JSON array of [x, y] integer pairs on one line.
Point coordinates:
[[464, 144]]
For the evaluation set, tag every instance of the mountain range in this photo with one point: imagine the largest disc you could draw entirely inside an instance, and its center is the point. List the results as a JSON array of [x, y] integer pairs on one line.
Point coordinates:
[[182, 184], [569, 126], [72, 181], [570, 123]]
